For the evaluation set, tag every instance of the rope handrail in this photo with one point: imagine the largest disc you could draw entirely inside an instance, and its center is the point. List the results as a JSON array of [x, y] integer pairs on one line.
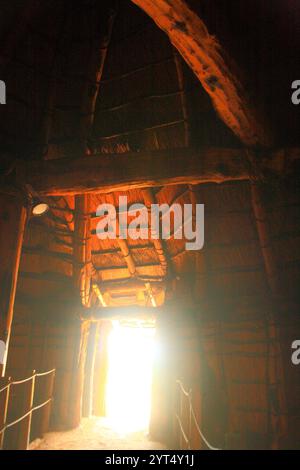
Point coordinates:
[[193, 415], [182, 431], [4, 388], [42, 374], [28, 407], [19, 382], [187, 394], [34, 408]]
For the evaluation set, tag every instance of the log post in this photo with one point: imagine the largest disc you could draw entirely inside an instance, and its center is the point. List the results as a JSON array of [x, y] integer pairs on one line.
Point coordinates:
[[87, 410], [76, 392], [82, 248], [276, 393], [12, 226]]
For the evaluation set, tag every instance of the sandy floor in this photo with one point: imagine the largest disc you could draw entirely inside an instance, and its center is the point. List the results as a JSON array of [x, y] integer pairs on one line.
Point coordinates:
[[93, 434]]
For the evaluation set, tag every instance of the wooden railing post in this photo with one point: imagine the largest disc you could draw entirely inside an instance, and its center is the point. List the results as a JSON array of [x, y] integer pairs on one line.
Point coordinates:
[[25, 425], [3, 412]]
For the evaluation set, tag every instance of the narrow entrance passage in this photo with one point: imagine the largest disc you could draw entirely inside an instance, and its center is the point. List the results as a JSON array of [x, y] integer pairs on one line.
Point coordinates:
[[130, 351], [128, 390]]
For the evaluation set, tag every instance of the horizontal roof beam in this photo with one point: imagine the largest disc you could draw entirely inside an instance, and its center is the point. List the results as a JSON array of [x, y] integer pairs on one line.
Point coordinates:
[[122, 172]]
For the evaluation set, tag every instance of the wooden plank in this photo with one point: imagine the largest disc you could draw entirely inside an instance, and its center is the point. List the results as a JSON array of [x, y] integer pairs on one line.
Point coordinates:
[[117, 313]]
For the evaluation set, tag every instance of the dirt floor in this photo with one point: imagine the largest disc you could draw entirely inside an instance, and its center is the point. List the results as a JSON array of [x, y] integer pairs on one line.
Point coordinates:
[[95, 434]]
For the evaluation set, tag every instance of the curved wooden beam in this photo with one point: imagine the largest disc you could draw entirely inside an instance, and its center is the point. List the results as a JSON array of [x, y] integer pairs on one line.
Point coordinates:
[[203, 53]]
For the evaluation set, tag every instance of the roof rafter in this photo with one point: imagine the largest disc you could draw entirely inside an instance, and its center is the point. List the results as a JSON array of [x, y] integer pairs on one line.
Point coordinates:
[[202, 52]]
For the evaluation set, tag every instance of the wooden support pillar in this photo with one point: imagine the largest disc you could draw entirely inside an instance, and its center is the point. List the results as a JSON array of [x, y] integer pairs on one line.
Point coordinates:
[[12, 226], [87, 409], [275, 372], [79, 357], [82, 248]]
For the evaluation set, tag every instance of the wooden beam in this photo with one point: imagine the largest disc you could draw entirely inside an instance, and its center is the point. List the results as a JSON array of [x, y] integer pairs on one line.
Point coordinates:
[[205, 56], [276, 368], [121, 313], [150, 199], [183, 98], [82, 251], [150, 294], [129, 284], [12, 226], [131, 266], [121, 172], [89, 369], [99, 46], [99, 295]]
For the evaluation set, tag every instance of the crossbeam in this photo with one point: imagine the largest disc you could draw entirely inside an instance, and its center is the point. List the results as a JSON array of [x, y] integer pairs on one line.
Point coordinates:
[[122, 172]]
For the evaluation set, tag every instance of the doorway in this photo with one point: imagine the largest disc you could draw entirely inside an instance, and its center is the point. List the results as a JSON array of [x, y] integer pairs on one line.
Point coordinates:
[[131, 350]]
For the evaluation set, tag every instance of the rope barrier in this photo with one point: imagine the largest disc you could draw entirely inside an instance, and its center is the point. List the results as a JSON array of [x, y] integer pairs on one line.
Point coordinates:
[[30, 404], [188, 396], [19, 382], [4, 388], [35, 408], [182, 431], [42, 374]]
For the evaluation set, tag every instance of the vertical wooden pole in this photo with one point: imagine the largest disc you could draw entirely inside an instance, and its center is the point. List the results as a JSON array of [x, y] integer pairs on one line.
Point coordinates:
[[76, 393], [82, 248], [276, 393], [89, 371], [183, 98], [25, 425], [12, 226]]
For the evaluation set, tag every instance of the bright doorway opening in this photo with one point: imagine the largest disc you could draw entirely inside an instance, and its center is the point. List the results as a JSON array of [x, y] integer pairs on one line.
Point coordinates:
[[131, 349]]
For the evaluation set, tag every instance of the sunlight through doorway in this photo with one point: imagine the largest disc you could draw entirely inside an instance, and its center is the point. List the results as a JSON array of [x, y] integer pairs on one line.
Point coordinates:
[[129, 380]]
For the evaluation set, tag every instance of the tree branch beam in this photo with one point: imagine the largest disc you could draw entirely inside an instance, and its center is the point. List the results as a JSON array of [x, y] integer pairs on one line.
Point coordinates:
[[122, 172]]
